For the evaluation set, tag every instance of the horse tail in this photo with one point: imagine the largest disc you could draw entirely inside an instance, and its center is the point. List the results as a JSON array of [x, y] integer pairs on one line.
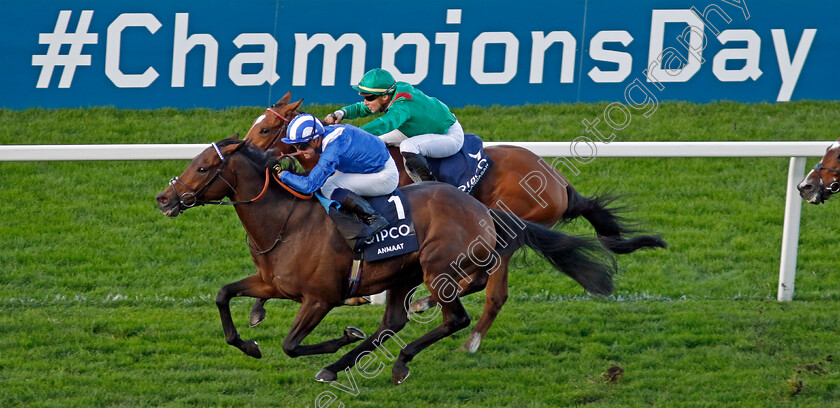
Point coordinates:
[[610, 227], [583, 259]]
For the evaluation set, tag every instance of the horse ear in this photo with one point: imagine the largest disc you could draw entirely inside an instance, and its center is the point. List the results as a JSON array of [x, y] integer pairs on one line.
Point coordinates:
[[285, 99], [295, 105], [234, 136]]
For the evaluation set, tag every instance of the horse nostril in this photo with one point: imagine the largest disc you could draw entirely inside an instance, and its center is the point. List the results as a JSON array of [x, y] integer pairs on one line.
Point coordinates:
[[162, 199], [805, 187]]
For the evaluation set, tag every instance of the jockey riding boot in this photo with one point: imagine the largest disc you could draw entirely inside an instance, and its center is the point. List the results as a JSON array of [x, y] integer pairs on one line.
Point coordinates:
[[359, 206], [417, 164]]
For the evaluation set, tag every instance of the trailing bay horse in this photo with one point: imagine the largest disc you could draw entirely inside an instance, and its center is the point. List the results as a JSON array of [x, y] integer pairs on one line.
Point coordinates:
[[824, 180], [519, 182], [299, 254]]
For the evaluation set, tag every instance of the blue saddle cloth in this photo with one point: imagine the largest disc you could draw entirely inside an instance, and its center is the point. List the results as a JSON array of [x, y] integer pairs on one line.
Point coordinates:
[[465, 168], [398, 238]]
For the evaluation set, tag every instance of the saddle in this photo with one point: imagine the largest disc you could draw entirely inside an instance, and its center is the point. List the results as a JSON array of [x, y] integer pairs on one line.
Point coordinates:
[[397, 238], [465, 168]]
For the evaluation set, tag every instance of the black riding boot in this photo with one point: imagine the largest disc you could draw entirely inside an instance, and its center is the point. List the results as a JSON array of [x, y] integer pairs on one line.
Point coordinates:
[[359, 206], [417, 164]]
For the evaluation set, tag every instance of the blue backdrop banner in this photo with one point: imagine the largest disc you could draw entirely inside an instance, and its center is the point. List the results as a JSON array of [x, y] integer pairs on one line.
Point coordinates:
[[223, 53]]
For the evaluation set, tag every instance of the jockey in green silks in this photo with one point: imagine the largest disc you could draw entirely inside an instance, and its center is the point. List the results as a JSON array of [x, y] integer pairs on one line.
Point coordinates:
[[420, 125]]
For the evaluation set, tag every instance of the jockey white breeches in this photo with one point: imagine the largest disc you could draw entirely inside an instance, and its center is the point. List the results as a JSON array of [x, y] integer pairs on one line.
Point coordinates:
[[393, 138], [368, 185], [434, 145]]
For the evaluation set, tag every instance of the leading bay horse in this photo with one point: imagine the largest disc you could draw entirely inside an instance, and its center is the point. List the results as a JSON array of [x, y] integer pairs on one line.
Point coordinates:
[[299, 255], [824, 179], [519, 182]]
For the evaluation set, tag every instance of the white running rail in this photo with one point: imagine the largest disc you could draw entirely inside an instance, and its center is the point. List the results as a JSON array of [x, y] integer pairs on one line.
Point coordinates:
[[797, 151]]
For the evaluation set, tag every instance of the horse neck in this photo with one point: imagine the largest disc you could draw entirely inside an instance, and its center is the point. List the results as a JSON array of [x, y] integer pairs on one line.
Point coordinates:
[[275, 211]]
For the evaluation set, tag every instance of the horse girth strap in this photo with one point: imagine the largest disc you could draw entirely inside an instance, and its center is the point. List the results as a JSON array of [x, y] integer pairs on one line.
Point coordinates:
[[354, 281]]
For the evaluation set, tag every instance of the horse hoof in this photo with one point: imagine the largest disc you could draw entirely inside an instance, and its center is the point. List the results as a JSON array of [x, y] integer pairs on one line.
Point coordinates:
[[357, 301], [325, 376], [472, 343], [252, 349], [421, 305], [257, 318], [354, 334], [399, 373]]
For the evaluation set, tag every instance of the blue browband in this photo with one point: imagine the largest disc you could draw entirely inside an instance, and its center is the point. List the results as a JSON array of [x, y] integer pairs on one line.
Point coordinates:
[[219, 152]]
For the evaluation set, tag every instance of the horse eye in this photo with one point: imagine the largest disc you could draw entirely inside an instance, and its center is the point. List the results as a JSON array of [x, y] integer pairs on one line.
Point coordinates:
[[264, 130], [202, 170]]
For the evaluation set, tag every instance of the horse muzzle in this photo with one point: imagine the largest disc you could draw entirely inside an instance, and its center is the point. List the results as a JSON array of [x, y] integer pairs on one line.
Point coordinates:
[[168, 206], [816, 193]]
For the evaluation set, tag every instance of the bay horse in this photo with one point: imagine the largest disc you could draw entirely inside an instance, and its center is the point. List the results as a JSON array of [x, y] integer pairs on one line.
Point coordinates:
[[824, 179], [505, 186], [299, 254]]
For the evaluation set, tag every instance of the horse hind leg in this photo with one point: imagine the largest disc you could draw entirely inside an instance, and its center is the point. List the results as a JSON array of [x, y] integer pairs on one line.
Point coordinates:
[[455, 318], [495, 298], [467, 286], [393, 320]]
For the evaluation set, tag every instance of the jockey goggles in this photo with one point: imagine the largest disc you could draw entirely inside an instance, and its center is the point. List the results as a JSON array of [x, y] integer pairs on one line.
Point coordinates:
[[301, 146]]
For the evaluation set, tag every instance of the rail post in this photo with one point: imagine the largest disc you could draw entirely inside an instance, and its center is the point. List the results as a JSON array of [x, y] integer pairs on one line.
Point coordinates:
[[790, 231]]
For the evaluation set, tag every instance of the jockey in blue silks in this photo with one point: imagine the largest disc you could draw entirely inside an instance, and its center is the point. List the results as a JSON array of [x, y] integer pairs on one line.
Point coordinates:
[[352, 163]]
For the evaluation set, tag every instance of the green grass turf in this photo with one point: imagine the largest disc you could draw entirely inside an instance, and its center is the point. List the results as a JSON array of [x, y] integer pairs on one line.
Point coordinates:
[[108, 303]]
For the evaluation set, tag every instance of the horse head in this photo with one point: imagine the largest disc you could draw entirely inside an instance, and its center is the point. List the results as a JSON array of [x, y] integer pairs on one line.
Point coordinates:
[[270, 127], [824, 179], [207, 178]]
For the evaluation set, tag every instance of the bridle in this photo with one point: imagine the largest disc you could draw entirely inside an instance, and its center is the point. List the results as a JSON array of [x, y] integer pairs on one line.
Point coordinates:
[[192, 198], [834, 187], [280, 130]]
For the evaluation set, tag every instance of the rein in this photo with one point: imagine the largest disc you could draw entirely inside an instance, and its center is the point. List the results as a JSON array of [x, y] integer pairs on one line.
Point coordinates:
[[190, 198], [196, 202], [291, 190]]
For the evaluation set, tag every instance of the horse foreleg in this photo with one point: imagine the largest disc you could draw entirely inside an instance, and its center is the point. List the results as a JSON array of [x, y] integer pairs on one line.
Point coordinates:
[[495, 298], [257, 312], [309, 315], [252, 286], [394, 319]]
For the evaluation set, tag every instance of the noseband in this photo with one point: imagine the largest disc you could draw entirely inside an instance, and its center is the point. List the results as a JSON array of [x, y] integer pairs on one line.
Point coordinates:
[[834, 187]]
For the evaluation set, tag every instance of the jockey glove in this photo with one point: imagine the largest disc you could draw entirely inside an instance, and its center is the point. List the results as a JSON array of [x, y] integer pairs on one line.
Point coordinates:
[[285, 164], [337, 115]]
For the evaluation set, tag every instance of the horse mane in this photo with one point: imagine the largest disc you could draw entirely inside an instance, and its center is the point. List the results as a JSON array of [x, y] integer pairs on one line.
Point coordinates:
[[256, 157]]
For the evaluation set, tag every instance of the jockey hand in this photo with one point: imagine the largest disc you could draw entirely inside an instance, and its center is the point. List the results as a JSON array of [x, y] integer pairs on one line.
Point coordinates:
[[285, 164], [334, 118]]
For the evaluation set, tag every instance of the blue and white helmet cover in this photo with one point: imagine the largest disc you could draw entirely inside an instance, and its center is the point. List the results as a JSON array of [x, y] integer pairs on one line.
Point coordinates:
[[303, 128]]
